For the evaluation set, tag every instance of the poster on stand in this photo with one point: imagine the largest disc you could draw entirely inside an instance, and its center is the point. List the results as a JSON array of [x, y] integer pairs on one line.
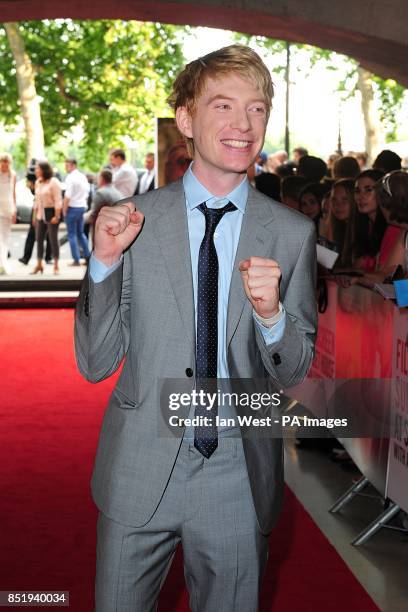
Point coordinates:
[[397, 481], [173, 158]]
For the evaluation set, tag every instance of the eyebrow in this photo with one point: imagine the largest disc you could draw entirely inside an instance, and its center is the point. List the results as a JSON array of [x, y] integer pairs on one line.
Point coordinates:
[[221, 96]]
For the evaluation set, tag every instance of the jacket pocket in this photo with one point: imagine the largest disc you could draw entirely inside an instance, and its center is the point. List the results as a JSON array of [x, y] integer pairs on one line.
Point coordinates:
[[125, 402]]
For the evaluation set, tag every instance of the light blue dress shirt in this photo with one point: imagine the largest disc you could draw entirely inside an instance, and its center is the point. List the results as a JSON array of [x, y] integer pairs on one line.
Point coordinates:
[[226, 239]]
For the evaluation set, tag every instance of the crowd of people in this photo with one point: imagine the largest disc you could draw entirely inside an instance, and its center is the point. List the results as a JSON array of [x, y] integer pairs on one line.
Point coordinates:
[[77, 200], [353, 206], [360, 212]]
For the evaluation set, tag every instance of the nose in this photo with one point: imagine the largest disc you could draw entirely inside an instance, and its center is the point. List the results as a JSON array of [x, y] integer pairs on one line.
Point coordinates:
[[240, 120]]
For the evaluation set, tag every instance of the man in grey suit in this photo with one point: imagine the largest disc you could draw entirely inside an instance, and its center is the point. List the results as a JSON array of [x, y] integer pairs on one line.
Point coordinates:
[[201, 279], [105, 195]]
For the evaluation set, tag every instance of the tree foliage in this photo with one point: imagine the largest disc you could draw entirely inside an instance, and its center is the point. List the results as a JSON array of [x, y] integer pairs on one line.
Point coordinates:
[[389, 93], [110, 77]]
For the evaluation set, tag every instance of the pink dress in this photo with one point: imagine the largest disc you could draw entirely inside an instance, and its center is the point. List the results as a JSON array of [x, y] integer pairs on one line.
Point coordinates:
[[390, 238]]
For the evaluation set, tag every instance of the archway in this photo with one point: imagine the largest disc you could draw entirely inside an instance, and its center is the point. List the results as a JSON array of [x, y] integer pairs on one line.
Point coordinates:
[[375, 36]]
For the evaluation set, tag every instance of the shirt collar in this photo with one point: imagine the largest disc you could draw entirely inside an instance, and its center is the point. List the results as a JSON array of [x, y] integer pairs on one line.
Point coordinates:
[[196, 193]]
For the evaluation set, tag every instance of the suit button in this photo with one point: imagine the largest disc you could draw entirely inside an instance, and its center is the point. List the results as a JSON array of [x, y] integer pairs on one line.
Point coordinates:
[[189, 372], [276, 359]]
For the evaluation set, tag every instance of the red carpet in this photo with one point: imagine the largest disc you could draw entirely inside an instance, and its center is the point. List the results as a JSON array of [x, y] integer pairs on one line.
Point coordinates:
[[49, 422]]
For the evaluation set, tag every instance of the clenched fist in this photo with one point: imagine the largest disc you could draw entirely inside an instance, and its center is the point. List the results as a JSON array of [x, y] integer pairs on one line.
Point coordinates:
[[115, 229], [260, 277]]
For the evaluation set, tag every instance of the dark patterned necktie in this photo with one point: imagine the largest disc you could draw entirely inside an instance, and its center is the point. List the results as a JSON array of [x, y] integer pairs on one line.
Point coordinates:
[[205, 435]]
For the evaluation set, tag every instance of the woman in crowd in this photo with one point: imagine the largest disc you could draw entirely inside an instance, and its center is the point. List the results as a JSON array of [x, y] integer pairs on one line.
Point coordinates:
[[310, 202], [342, 209], [392, 196], [8, 208], [47, 211], [369, 222], [392, 193], [325, 215]]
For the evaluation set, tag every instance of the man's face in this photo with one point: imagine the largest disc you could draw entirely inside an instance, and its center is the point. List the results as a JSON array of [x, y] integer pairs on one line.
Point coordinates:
[[228, 126], [115, 161], [69, 167], [149, 162]]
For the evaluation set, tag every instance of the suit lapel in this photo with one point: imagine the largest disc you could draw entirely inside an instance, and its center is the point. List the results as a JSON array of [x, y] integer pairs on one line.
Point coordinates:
[[171, 229], [258, 232]]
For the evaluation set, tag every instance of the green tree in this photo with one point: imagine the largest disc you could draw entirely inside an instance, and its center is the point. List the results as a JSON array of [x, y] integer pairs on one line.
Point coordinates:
[[28, 99], [110, 77], [381, 99]]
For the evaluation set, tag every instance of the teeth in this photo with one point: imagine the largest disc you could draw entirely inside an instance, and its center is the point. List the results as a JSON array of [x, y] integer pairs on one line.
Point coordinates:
[[238, 144]]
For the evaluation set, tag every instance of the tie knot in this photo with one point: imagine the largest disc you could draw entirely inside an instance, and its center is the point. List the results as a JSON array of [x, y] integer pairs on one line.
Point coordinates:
[[214, 215]]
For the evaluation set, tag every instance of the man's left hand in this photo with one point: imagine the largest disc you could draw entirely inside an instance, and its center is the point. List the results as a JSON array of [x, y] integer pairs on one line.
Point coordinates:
[[260, 277]]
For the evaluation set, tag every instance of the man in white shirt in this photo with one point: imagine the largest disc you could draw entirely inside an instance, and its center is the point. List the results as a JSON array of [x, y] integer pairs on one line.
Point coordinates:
[[74, 207], [146, 182], [125, 178]]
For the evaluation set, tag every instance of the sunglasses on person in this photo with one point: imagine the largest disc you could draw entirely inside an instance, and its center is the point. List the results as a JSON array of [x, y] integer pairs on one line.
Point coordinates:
[[385, 184]]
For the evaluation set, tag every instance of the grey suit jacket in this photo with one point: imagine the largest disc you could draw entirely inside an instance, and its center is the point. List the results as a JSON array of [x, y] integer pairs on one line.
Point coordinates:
[[144, 313]]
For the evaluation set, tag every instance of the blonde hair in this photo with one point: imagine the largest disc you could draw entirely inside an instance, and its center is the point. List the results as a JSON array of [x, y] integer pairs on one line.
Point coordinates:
[[11, 174], [238, 59], [6, 157]]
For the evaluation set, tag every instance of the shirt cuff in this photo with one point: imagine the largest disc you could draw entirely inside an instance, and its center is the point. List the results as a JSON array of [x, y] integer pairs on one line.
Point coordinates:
[[98, 271], [272, 334]]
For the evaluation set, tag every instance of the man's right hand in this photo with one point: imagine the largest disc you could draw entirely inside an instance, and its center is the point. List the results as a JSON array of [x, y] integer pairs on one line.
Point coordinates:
[[115, 229]]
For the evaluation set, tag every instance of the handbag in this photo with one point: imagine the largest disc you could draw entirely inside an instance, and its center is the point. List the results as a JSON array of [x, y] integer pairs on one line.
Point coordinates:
[[49, 213]]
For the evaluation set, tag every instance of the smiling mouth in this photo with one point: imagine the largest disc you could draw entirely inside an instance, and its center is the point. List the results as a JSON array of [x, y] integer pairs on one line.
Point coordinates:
[[237, 144]]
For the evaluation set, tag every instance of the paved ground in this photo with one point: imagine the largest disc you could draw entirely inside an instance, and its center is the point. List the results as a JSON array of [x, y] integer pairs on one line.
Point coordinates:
[[19, 271]]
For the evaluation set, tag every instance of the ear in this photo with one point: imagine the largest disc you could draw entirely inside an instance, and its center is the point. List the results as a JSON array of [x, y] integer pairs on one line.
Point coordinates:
[[183, 120]]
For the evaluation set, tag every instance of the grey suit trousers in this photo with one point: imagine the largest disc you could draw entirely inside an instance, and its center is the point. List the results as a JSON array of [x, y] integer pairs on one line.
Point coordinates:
[[208, 507]]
